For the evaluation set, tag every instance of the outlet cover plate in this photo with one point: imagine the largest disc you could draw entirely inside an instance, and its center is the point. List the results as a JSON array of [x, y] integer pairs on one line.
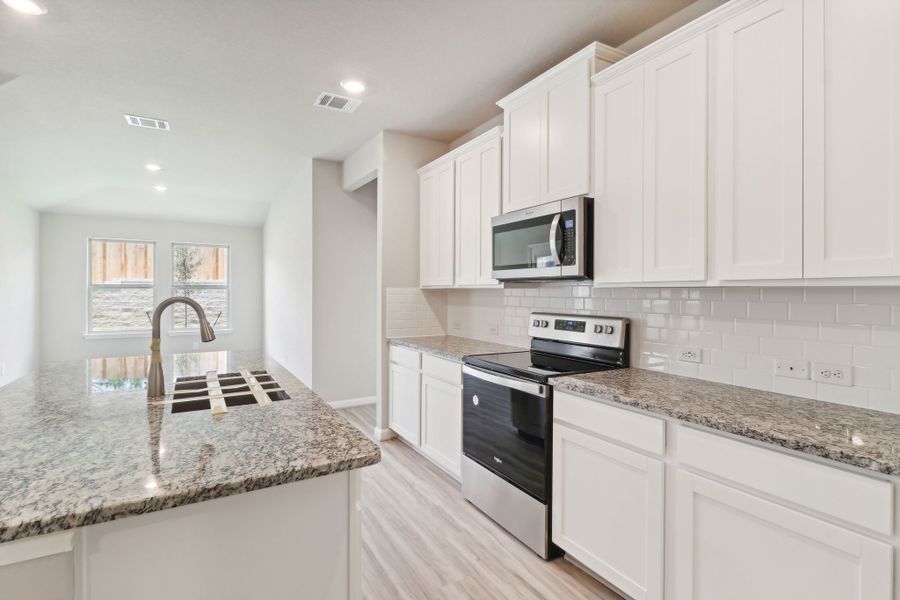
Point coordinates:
[[692, 355], [795, 369], [833, 374]]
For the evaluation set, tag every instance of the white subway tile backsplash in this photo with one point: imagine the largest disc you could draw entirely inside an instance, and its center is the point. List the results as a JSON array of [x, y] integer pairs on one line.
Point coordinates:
[[822, 313], [876, 295], [874, 314], [851, 334], [768, 310], [740, 343], [797, 330], [725, 309], [886, 336], [739, 330], [781, 347], [828, 352]]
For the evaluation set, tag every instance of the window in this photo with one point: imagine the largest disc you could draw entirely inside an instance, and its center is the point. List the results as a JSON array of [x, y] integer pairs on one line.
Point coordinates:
[[120, 285], [201, 272]]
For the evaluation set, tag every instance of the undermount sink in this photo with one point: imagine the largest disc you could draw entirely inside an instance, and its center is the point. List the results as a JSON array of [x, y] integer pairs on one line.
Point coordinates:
[[233, 388]]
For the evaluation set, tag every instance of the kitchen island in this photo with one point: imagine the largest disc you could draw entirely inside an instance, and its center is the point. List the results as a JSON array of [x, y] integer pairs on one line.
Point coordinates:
[[261, 501]]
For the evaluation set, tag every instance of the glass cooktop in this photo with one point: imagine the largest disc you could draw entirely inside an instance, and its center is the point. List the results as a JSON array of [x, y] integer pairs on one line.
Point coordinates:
[[534, 366]]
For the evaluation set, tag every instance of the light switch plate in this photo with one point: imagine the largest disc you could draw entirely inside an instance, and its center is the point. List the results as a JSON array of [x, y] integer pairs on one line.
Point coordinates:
[[795, 369]]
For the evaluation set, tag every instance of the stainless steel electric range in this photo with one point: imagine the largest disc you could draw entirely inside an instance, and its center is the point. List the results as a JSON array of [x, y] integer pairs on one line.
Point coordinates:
[[508, 417]]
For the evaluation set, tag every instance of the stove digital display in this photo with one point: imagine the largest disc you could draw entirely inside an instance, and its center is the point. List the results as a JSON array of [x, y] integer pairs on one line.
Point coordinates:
[[569, 325]]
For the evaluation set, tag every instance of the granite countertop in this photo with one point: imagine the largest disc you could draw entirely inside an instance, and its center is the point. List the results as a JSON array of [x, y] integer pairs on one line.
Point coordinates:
[[845, 434], [79, 444], [452, 347]]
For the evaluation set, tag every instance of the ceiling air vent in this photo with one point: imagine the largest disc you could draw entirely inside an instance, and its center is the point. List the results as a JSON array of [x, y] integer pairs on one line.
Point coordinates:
[[337, 102], [147, 122]]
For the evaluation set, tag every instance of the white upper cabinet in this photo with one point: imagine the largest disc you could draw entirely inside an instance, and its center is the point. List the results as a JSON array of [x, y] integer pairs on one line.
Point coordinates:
[[758, 148], [547, 125], [618, 178], [674, 177], [477, 201], [436, 227], [522, 152], [851, 119]]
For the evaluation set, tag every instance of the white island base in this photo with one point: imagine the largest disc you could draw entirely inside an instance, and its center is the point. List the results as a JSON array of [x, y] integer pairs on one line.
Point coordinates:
[[294, 541]]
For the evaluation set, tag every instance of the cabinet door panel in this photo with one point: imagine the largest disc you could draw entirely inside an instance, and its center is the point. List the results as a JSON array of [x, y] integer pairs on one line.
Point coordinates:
[[491, 173], [427, 215], [852, 138], [675, 164], [444, 234], [729, 544], [442, 423], [568, 134], [618, 176], [608, 510], [477, 201], [758, 148], [522, 152], [403, 395]]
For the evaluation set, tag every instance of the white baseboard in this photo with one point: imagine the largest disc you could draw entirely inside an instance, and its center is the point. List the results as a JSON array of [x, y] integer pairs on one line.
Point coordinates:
[[351, 402], [384, 434]]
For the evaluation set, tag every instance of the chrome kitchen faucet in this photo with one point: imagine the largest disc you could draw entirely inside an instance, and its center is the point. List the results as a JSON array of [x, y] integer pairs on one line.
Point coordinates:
[[156, 380]]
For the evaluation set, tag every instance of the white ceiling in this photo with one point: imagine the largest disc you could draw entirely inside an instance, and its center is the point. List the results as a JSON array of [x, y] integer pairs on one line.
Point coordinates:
[[237, 79]]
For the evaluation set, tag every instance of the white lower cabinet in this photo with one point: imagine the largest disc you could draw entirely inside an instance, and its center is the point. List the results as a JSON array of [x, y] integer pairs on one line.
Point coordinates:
[[425, 405], [442, 423], [731, 544], [403, 391], [608, 505]]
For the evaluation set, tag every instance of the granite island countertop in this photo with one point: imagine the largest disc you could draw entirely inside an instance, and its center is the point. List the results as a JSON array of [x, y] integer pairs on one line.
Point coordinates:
[[79, 443], [451, 347], [846, 434]]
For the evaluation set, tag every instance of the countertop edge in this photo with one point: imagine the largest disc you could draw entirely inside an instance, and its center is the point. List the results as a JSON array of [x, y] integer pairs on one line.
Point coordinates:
[[105, 514], [457, 357], [599, 391]]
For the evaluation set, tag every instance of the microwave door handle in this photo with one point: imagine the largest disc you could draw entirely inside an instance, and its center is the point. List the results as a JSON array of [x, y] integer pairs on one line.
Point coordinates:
[[554, 233]]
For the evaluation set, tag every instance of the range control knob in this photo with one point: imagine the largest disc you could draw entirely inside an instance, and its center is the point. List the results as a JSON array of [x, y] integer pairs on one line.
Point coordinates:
[[544, 324], [598, 328], [475, 400], [608, 329], [536, 322]]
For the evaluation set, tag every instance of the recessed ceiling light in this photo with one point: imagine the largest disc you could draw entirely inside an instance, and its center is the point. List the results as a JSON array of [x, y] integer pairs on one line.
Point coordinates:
[[153, 167], [160, 188], [29, 7], [353, 86]]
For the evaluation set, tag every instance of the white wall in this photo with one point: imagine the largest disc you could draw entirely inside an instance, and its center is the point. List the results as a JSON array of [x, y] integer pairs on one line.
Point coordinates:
[[670, 24], [19, 284], [344, 286], [740, 331], [288, 268], [63, 278]]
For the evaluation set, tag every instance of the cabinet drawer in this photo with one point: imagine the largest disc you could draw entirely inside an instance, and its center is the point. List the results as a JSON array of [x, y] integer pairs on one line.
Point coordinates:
[[405, 356], [439, 368], [628, 427], [857, 499]]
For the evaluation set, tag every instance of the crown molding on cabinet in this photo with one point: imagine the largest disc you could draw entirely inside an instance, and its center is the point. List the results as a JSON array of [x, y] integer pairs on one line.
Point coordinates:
[[594, 50], [490, 134], [696, 27]]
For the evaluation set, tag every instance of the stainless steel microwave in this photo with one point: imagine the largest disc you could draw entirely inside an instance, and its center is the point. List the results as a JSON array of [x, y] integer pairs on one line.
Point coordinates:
[[550, 241]]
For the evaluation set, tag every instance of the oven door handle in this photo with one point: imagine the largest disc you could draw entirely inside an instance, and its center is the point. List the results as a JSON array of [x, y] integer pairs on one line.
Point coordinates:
[[554, 233], [535, 389]]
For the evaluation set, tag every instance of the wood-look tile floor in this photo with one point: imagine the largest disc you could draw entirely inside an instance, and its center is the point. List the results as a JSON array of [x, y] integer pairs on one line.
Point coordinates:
[[422, 540]]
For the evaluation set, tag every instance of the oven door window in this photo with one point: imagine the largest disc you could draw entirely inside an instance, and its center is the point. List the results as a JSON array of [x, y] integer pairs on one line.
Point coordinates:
[[506, 431], [525, 244]]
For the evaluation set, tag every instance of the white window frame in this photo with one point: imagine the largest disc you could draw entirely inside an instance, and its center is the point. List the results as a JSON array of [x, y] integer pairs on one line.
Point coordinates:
[[227, 287], [124, 333]]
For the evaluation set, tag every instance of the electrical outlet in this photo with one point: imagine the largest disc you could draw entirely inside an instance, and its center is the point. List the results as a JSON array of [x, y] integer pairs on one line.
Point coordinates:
[[796, 369], [2, 369], [833, 374], [195, 345], [494, 330], [457, 325], [693, 355]]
